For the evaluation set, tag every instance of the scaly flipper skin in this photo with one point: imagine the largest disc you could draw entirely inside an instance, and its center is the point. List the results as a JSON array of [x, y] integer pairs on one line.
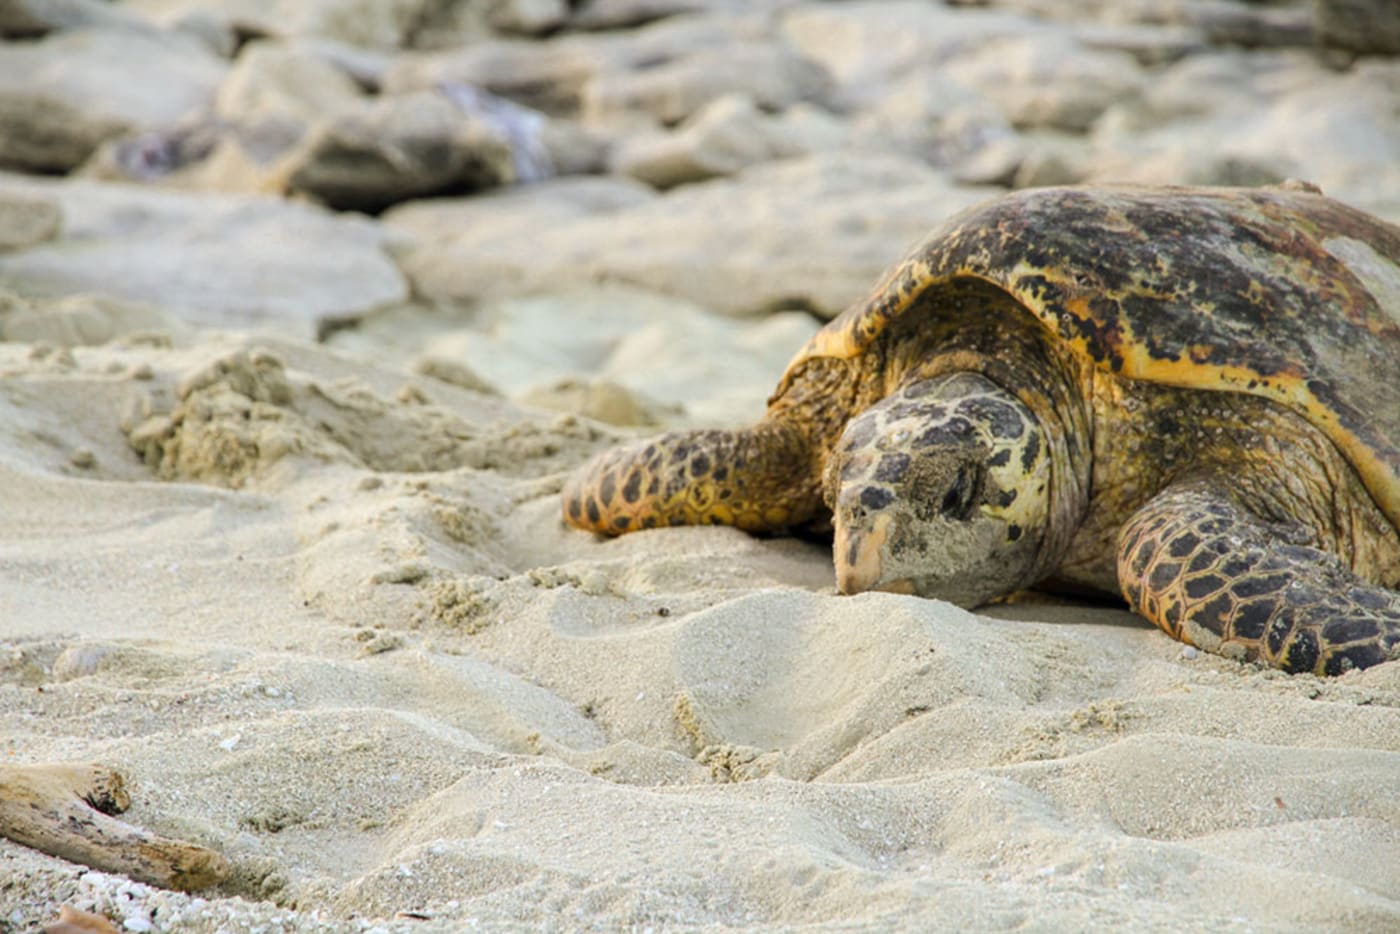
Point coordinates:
[[1212, 574], [759, 479], [63, 810]]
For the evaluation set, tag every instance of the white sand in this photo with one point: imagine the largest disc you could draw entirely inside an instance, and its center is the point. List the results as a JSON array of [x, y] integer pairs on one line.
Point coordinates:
[[334, 629]]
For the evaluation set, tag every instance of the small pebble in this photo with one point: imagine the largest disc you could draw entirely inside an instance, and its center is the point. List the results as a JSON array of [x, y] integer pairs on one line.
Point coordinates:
[[1189, 652], [83, 459]]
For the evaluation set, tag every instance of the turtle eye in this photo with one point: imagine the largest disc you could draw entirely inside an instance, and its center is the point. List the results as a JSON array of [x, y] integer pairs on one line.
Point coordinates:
[[957, 502]]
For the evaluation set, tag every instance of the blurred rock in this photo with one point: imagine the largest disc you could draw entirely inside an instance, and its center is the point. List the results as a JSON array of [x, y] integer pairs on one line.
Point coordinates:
[[624, 14], [810, 233], [396, 148], [1227, 22], [82, 320], [1149, 45], [215, 260], [27, 219], [528, 17], [769, 73], [929, 115], [645, 343], [548, 76], [866, 44], [378, 24], [28, 19], [601, 401], [1362, 26], [62, 95], [271, 81], [509, 213], [1258, 118], [1048, 82], [726, 135]]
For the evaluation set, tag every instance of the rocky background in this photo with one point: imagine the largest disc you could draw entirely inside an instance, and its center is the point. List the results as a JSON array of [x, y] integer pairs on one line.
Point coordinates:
[[307, 306], [744, 157]]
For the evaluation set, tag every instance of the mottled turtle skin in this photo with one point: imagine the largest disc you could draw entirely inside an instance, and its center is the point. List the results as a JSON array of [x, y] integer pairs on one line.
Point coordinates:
[[1187, 397]]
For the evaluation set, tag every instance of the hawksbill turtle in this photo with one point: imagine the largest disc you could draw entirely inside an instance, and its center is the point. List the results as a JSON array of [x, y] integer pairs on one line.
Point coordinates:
[[1188, 397]]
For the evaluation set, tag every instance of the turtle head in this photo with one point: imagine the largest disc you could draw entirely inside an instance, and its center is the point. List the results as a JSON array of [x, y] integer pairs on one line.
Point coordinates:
[[941, 489]]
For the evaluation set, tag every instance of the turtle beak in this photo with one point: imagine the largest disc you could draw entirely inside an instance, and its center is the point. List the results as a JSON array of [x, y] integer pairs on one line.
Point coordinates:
[[858, 563]]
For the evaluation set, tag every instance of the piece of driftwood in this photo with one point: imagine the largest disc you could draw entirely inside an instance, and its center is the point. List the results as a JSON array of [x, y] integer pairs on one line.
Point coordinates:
[[65, 810]]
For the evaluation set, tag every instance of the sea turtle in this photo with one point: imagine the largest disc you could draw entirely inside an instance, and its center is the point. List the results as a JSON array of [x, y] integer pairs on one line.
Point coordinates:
[[1189, 397]]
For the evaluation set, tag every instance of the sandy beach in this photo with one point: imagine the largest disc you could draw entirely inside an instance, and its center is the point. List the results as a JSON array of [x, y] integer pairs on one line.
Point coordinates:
[[293, 368]]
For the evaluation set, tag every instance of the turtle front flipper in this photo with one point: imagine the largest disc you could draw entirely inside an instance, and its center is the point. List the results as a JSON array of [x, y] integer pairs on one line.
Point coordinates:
[[759, 479], [1211, 573]]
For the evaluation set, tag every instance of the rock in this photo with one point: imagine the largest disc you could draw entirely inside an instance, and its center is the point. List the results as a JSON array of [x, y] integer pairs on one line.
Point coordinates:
[[1048, 82], [929, 115], [627, 14], [1366, 27], [770, 73], [865, 45], [624, 14], [509, 213], [28, 19], [379, 24], [27, 219], [1224, 22], [82, 320], [61, 96], [271, 81], [809, 233], [397, 148], [602, 401], [1150, 45], [639, 341], [727, 135], [528, 17], [1051, 158], [216, 260], [548, 76], [1259, 118]]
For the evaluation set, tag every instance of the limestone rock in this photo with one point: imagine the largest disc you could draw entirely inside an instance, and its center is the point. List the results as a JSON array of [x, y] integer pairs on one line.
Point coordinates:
[[380, 24], [602, 401], [866, 44], [770, 73], [1248, 119], [27, 219], [397, 148], [271, 81], [31, 18], [83, 319], [528, 17], [218, 260], [548, 76], [1048, 82], [61, 96], [808, 233], [511, 213], [1361, 26], [929, 115], [623, 14], [727, 135]]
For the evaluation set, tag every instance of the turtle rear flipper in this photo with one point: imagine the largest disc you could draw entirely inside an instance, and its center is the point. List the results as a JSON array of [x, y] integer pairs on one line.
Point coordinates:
[[760, 479], [1211, 573]]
